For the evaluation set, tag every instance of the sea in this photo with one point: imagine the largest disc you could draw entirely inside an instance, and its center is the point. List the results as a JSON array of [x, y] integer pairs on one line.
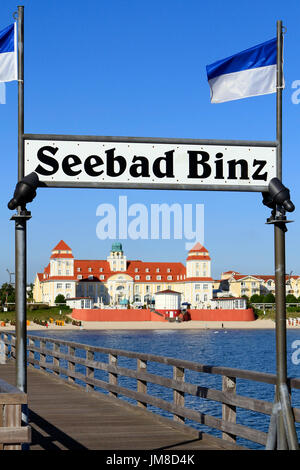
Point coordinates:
[[253, 349]]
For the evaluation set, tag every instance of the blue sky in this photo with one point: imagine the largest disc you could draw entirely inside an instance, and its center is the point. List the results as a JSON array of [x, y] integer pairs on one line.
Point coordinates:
[[137, 68]]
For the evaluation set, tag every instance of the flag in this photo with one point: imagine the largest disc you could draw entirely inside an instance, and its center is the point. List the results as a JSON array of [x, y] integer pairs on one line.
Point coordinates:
[[8, 54], [249, 73]]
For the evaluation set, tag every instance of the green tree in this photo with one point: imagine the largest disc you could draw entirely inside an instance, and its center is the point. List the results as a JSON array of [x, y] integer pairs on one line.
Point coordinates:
[[255, 299], [7, 293], [269, 298], [60, 299], [290, 299]]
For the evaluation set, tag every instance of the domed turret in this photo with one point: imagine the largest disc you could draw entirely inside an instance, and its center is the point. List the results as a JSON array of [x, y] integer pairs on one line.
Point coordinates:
[[117, 259]]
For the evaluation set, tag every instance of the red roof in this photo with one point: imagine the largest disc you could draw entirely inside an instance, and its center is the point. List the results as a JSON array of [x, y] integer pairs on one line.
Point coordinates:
[[198, 247], [61, 255], [167, 291], [62, 246]]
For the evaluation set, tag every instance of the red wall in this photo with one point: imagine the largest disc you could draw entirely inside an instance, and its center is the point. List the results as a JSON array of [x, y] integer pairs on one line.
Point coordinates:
[[222, 315], [115, 315], [147, 315]]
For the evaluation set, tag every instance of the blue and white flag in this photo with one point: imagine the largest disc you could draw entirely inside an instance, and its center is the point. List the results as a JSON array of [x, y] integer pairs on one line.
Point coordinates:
[[249, 73], [8, 54]]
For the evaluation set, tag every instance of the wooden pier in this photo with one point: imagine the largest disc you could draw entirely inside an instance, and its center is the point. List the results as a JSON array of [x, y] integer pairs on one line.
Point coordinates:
[[67, 415]]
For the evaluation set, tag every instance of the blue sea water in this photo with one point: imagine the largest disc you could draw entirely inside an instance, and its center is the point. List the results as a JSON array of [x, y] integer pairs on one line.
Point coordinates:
[[241, 349]]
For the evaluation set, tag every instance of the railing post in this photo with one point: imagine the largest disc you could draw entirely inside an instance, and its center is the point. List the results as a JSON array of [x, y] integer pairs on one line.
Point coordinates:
[[13, 346], [56, 349], [71, 364], [90, 371], [229, 411], [178, 397], [141, 384], [112, 378], [12, 419], [2, 351], [30, 353], [5, 338], [42, 355]]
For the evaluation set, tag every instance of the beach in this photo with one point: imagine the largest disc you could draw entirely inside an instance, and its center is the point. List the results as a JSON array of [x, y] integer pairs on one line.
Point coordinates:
[[154, 325]]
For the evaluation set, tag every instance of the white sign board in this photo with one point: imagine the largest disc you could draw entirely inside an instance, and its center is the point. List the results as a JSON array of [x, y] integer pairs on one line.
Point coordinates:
[[154, 165]]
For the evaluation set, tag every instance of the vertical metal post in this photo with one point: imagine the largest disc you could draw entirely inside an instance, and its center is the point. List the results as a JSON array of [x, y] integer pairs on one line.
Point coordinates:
[[20, 91], [279, 248], [286, 426], [20, 232]]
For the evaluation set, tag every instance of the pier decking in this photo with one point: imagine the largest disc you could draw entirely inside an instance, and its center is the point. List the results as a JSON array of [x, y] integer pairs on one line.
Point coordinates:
[[65, 417], [76, 400]]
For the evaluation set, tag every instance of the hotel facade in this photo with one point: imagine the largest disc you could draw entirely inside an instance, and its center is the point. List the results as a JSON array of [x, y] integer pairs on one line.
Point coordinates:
[[116, 280]]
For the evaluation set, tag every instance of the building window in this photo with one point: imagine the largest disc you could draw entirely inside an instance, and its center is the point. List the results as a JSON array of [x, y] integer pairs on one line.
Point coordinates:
[[137, 288], [68, 286], [157, 270], [169, 287], [148, 278], [158, 289], [59, 286], [205, 286], [101, 270], [101, 276], [147, 270], [168, 270], [67, 272], [147, 288], [78, 270], [89, 270], [197, 286], [169, 278], [137, 278], [158, 278], [136, 270], [59, 272], [79, 276], [90, 277], [197, 273]]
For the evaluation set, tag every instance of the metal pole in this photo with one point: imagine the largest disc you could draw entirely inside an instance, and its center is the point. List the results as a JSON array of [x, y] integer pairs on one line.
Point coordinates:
[[286, 425], [20, 230], [20, 91], [279, 246]]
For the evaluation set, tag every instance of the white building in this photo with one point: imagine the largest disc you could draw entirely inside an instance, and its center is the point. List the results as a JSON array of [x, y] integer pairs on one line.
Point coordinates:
[[117, 280]]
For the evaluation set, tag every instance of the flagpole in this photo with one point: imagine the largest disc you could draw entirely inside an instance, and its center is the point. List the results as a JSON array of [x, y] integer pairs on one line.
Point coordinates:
[[286, 433], [20, 219]]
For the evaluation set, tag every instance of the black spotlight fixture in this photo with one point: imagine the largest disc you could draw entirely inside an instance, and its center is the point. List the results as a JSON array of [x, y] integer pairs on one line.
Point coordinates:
[[278, 199], [278, 195], [25, 191]]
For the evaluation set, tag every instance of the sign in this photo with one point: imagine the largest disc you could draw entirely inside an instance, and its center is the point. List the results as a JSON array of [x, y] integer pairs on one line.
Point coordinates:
[[121, 162]]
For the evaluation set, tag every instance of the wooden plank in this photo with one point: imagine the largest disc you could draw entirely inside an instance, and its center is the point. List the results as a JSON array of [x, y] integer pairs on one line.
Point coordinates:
[[229, 411], [178, 396], [14, 435], [141, 384]]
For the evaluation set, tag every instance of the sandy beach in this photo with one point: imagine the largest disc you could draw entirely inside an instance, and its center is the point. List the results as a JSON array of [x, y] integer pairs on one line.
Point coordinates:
[[148, 325]]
